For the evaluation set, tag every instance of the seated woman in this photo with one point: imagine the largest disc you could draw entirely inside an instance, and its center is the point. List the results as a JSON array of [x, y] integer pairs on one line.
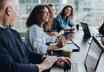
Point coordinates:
[[63, 20], [36, 37], [47, 26]]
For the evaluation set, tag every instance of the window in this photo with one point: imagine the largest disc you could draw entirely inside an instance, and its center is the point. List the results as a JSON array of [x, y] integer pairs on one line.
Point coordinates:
[[22, 1], [89, 11]]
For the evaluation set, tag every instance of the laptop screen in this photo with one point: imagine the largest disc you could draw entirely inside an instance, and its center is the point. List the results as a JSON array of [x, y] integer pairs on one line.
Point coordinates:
[[93, 56], [86, 29]]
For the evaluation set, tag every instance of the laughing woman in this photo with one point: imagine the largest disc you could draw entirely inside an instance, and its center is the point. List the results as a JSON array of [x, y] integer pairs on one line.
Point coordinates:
[[63, 20], [36, 38]]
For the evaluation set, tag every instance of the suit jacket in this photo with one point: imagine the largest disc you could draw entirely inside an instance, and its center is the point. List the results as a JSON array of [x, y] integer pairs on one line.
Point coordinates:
[[15, 55]]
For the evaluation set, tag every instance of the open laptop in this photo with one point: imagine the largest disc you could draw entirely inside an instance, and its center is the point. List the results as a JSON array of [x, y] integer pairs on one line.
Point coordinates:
[[93, 56], [86, 29], [91, 61]]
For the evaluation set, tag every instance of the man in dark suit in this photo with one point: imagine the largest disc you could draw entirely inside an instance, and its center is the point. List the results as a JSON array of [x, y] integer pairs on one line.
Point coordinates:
[[15, 56]]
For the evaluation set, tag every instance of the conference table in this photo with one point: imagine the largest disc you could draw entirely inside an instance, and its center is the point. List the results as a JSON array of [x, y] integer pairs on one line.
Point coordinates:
[[79, 56]]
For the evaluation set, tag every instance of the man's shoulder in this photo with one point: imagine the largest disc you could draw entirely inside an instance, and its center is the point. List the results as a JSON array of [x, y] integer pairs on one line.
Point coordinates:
[[2, 31], [13, 30]]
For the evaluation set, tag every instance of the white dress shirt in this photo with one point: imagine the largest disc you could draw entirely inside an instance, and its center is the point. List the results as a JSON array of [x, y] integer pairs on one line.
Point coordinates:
[[37, 39]]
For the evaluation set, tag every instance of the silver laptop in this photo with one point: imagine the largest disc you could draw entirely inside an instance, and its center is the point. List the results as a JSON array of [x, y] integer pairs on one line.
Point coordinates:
[[93, 56], [91, 61]]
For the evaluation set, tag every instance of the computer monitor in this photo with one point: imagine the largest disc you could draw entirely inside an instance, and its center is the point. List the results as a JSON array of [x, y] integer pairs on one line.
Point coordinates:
[[93, 56]]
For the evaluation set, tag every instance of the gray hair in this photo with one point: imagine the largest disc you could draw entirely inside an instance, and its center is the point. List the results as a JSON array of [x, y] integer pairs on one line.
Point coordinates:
[[3, 4]]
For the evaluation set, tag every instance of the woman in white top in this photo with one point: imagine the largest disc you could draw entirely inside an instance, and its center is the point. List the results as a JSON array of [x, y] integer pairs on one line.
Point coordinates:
[[36, 37]]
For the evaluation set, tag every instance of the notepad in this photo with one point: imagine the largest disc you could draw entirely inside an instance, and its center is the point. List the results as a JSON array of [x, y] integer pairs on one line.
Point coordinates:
[[70, 47]]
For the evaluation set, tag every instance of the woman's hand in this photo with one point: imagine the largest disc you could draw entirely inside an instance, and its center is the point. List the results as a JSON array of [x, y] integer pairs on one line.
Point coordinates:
[[56, 34], [61, 42]]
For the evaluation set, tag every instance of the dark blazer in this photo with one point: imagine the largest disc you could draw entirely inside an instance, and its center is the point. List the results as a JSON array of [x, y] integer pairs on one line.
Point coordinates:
[[15, 55]]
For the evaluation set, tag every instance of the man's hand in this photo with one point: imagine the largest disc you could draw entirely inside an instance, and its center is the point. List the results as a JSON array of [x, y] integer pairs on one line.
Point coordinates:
[[62, 60], [47, 63]]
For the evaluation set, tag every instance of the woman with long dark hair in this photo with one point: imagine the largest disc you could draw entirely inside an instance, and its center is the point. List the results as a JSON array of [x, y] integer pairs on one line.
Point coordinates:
[[36, 37], [63, 20]]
